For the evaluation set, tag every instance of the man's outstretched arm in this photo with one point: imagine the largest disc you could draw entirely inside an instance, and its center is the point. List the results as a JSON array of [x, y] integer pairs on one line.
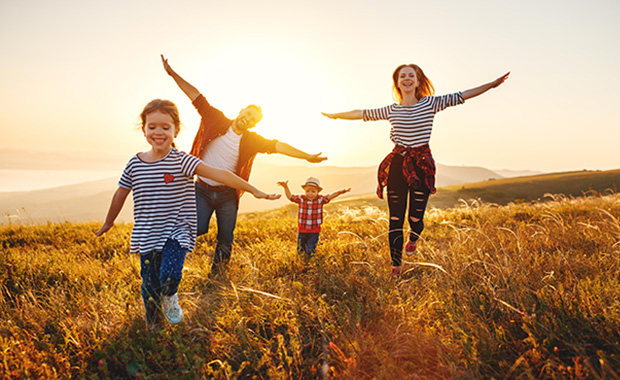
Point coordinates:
[[189, 90], [287, 150]]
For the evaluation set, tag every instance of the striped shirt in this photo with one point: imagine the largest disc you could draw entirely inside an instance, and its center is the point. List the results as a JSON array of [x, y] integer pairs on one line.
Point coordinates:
[[164, 201], [412, 125], [310, 215]]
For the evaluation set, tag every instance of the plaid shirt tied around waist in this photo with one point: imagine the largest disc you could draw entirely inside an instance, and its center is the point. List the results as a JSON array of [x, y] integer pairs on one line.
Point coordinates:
[[419, 157]]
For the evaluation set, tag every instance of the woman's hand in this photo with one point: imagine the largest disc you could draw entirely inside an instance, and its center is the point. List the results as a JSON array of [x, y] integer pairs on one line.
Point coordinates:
[[349, 115], [500, 80], [473, 92]]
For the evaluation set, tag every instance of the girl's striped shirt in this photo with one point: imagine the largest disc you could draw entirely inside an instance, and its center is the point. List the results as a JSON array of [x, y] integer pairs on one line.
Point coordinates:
[[412, 125], [164, 200]]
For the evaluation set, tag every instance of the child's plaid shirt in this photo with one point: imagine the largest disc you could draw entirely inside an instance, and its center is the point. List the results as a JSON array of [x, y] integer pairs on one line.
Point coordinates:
[[310, 215]]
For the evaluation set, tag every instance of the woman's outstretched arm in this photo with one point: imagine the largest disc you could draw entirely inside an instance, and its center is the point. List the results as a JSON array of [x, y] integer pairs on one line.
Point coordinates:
[[471, 93], [349, 115], [189, 90]]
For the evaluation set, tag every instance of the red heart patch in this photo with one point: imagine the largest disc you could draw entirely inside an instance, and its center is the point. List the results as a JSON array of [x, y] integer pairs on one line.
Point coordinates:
[[168, 178]]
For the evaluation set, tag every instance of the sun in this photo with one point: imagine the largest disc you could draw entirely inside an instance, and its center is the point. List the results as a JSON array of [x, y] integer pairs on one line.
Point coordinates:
[[292, 86], [284, 84]]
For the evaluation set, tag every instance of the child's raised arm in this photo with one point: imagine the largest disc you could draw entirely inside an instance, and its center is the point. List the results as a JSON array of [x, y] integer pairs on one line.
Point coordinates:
[[230, 179], [284, 185], [337, 193], [118, 200]]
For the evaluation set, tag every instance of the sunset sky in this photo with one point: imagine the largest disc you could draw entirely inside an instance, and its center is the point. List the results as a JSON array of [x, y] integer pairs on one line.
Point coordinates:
[[75, 74]]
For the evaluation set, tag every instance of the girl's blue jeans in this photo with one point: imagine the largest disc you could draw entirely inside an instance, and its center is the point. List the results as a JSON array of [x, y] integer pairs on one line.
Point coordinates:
[[161, 273]]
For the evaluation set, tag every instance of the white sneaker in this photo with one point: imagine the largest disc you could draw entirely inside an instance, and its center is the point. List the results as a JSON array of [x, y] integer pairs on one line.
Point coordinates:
[[172, 310]]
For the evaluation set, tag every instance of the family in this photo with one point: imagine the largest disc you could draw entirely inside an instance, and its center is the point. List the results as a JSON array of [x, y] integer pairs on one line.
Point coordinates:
[[175, 194]]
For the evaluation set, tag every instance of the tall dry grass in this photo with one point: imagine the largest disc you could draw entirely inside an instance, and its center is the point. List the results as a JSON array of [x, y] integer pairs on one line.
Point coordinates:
[[520, 291]]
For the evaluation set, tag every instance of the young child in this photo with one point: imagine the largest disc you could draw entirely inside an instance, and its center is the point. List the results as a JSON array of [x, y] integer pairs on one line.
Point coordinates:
[[161, 180], [310, 215]]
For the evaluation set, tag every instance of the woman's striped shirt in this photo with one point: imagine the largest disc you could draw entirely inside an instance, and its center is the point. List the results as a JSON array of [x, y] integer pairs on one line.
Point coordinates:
[[412, 125], [164, 201]]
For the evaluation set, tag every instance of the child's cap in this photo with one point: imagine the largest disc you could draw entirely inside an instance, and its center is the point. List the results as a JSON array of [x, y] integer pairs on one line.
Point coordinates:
[[312, 181]]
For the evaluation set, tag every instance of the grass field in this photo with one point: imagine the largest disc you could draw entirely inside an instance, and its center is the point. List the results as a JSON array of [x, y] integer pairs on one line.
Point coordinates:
[[526, 290]]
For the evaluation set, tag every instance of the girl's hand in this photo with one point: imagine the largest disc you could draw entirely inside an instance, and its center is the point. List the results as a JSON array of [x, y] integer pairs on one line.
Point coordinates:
[[282, 183], [330, 115], [104, 229], [260, 195]]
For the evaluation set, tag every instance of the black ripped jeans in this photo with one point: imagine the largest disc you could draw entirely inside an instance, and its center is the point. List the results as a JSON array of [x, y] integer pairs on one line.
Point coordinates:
[[399, 194]]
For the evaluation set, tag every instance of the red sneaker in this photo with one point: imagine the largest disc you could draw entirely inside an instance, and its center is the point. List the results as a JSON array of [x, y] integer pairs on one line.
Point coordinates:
[[410, 247], [396, 271]]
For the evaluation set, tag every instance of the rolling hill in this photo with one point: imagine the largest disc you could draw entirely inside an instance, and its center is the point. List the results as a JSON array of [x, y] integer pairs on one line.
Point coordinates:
[[507, 190], [532, 188], [89, 201]]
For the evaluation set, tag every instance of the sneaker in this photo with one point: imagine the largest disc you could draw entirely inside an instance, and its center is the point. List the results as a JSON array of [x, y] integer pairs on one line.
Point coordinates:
[[410, 247], [396, 271], [172, 310]]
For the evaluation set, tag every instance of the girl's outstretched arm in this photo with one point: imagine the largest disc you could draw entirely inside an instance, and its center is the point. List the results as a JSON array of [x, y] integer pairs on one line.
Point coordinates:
[[349, 115], [230, 179], [189, 90], [287, 192], [337, 193], [118, 200], [471, 93]]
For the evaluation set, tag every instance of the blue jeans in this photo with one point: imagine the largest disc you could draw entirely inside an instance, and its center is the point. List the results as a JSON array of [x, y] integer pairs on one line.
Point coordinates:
[[306, 242], [161, 273], [226, 205]]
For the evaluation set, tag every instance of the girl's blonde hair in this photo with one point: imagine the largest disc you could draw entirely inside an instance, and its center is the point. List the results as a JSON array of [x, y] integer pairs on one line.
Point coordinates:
[[425, 86]]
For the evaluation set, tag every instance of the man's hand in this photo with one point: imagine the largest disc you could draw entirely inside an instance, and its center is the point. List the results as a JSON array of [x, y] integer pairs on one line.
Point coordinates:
[[315, 158], [166, 65]]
